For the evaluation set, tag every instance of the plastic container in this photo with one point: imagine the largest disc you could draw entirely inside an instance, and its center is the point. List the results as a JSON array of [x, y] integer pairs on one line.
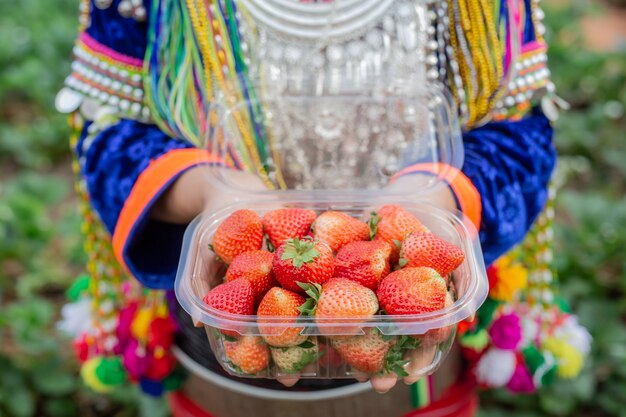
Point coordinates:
[[302, 132]]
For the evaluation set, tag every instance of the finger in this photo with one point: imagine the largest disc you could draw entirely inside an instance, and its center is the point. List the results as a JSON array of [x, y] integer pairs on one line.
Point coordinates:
[[383, 384]]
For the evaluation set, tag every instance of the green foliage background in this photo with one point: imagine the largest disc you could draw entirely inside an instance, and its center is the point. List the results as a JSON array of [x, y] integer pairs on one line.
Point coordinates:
[[40, 245]]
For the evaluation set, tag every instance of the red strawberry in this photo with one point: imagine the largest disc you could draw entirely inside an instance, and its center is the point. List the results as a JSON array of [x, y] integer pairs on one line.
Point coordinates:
[[392, 224], [330, 356], [296, 358], [436, 336], [426, 249], [412, 291], [236, 297], [241, 232], [366, 353], [248, 354], [305, 261], [279, 302], [338, 229], [340, 297], [256, 267], [366, 262], [287, 223]]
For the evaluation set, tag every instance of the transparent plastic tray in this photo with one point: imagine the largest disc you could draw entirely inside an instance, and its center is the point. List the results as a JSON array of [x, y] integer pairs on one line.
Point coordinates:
[[199, 271]]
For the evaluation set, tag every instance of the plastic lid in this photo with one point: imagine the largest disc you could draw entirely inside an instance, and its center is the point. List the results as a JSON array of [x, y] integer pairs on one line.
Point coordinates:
[[353, 140]]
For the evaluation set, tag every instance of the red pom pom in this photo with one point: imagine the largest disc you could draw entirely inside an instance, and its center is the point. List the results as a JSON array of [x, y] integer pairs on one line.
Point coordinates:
[[81, 348], [161, 332], [160, 367]]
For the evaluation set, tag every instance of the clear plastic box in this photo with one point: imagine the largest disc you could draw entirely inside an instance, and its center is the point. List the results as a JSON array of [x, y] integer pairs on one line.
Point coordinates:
[[430, 135]]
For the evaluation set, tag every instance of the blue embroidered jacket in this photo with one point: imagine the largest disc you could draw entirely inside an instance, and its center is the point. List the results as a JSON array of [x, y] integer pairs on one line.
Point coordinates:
[[508, 163]]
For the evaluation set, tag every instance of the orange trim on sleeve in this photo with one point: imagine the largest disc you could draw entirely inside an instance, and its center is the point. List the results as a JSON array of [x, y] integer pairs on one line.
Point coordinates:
[[466, 193], [149, 183]]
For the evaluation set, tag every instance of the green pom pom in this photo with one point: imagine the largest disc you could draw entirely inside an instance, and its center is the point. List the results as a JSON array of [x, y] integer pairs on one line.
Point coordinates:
[[477, 341], [80, 286], [111, 371], [485, 314], [549, 377], [533, 358]]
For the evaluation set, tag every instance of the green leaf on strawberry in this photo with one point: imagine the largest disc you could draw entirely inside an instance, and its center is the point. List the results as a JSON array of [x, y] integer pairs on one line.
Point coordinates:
[[270, 246], [307, 358], [306, 344], [300, 251], [313, 291], [395, 362], [373, 224]]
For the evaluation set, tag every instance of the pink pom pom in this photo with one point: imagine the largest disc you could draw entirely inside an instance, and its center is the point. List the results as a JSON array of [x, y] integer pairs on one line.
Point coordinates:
[[506, 332], [135, 360], [522, 380]]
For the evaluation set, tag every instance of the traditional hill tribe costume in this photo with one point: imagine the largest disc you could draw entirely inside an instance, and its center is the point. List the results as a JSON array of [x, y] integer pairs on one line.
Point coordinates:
[[144, 76]]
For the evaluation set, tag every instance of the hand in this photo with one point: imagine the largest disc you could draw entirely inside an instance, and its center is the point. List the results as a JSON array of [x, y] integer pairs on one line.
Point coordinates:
[[195, 192]]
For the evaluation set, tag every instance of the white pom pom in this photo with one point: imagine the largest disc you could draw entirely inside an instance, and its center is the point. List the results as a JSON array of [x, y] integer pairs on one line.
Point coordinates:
[[76, 317], [575, 335], [496, 367], [530, 330]]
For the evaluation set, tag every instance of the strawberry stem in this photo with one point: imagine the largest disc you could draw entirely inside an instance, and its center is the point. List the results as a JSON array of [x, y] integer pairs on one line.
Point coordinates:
[[270, 246], [373, 223], [300, 251]]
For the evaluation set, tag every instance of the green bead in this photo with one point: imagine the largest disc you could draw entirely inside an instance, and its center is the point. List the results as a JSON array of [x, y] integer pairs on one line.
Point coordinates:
[[80, 286], [175, 380]]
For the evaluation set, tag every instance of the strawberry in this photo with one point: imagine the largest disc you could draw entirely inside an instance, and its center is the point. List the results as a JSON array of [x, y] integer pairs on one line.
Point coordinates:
[[303, 260], [287, 223], [412, 291], [235, 297], [392, 224], [374, 352], [255, 267], [366, 353], [294, 359], [338, 229], [241, 232], [426, 249], [279, 302], [331, 358], [366, 262], [440, 335], [248, 355], [340, 297]]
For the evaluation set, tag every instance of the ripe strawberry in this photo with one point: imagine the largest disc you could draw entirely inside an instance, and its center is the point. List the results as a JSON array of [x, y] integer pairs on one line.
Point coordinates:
[[236, 297], [294, 359], [303, 260], [279, 302], [392, 224], [340, 297], [426, 249], [366, 353], [375, 352], [412, 291], [241, 232], [255, 267], [287, 223], [338, 229], [248, 354], [366, 262], [440, 335]]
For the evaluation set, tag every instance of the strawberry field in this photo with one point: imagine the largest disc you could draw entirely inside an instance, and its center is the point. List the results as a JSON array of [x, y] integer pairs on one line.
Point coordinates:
[[40, 244]]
